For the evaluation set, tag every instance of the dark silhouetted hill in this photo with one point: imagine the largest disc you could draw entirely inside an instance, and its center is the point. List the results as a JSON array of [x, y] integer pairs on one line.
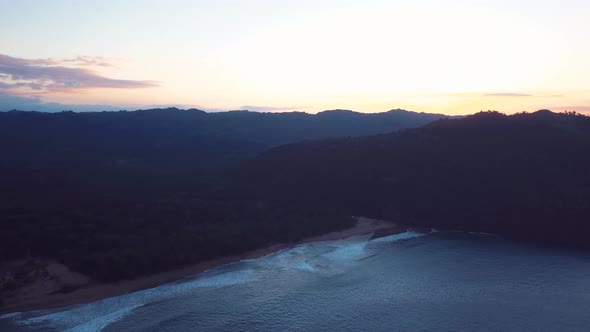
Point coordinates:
[[175, 139], [525, 176]]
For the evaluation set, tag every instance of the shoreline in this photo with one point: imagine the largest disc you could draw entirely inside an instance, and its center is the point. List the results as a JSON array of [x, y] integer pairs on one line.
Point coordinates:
[[39, 298]]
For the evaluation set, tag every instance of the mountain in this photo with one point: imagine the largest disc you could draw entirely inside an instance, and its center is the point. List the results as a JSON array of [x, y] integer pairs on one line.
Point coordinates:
[[524, 176], [174, 139], [115, 195]]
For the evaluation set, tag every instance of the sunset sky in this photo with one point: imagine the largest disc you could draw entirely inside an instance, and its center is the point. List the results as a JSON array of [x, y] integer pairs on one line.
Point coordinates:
[[453, 57]]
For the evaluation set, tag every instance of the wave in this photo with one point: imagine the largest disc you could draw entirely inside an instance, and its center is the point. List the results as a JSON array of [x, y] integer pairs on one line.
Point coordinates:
[[328, 256], [347, 252], [10, 315], [306, 266], [101, 322], [97, 315], [401, 236]]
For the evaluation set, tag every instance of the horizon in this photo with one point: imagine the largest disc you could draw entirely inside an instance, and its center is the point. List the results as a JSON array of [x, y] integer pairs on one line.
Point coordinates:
[[454, 58], [166, 108]]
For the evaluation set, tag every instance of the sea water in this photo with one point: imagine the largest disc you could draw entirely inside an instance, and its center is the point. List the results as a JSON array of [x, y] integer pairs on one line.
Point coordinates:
[[405, 282]]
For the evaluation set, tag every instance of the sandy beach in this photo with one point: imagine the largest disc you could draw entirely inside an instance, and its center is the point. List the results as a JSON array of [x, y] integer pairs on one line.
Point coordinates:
[[44, 293]]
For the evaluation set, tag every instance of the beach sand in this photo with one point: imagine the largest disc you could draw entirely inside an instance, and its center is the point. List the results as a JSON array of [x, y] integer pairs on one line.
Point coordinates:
[[45, 292]]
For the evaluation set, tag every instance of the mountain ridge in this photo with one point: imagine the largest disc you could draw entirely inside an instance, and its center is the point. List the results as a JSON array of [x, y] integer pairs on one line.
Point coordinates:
[[176, 138]]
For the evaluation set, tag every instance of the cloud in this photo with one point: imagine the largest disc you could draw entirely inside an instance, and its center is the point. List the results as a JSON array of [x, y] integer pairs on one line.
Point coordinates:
[[496, 94], [86, 60], [482, 94], [272, 108], [507, 94], [83, 60], [49, 75], [7, 86]]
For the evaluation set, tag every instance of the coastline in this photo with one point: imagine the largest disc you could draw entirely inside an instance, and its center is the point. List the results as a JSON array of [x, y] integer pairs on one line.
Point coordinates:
[[38, 297]]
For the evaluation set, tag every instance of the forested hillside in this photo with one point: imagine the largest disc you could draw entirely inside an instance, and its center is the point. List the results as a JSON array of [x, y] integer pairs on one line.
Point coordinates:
[[525, 176], [173, 139], [120, 194]]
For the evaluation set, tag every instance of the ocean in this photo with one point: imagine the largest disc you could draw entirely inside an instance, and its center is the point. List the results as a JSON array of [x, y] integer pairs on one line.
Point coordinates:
[[440, 281]]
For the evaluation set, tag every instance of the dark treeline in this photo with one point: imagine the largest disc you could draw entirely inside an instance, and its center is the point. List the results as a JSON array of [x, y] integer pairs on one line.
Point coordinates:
[[525, 176], [121, 238], [117, 225], [120, 194]]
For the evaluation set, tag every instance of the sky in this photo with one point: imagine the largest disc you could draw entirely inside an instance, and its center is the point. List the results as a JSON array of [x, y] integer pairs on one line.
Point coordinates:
[[452, 57]]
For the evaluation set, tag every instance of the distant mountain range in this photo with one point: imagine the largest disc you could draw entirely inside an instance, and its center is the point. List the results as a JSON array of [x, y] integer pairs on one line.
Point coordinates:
[[177, 139]]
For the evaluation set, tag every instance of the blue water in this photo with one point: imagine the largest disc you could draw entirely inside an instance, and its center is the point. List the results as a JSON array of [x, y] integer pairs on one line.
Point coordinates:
[[405, 282]]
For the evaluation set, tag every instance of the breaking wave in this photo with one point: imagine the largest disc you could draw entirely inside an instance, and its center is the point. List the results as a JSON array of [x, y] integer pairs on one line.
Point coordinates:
[[97, 315]]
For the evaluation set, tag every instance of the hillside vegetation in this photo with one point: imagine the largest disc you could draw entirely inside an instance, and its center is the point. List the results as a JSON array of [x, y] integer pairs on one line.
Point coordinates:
[[525, 176]]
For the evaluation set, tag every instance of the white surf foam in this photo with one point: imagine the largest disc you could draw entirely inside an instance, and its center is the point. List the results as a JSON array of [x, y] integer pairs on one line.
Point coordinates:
[[97, 315], [304, 265], [346, 252], [101, 322], [293, 258], [399, 237], [316, 256], [14, 314]]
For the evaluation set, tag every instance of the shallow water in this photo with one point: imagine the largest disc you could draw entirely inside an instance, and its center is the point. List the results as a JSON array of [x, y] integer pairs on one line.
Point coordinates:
[[404, 282]]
